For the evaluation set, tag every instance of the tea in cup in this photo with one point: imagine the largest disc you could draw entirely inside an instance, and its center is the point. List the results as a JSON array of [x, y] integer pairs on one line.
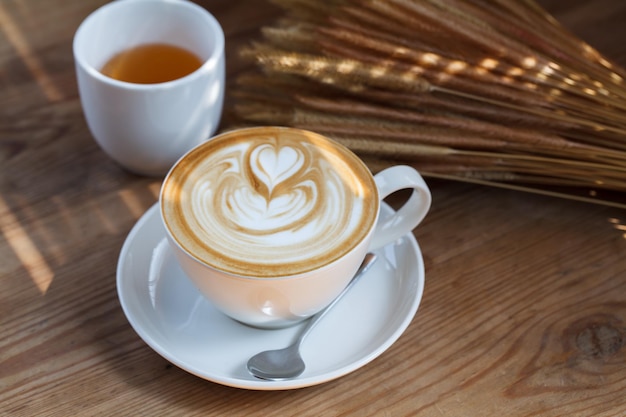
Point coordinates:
[[151, 80], [271, 223]]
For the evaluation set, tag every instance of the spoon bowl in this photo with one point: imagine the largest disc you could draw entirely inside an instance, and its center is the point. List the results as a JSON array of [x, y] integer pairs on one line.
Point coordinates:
[[287, 363]]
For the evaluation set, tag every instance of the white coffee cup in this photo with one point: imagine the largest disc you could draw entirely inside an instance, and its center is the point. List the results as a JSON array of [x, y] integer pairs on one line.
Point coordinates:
[[147, 127], [271, 223]]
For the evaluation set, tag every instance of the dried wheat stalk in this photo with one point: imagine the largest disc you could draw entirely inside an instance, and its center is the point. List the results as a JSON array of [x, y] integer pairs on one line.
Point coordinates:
[[494, 92]]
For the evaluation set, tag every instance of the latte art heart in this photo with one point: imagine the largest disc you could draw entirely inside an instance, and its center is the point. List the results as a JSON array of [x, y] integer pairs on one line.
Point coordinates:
[[266, 206], [270, 165]]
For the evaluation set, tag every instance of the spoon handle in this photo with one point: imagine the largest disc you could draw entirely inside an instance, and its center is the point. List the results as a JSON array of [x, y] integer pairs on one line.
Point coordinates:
[[368, 261]]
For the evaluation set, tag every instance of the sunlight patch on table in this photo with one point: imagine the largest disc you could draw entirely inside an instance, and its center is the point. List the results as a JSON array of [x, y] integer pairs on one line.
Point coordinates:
[[19, 42], [25, 249], [135, 201], [155, 188], [132, 202]]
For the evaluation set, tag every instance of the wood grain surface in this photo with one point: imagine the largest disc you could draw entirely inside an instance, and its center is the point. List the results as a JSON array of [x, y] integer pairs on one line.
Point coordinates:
[[524, 310]]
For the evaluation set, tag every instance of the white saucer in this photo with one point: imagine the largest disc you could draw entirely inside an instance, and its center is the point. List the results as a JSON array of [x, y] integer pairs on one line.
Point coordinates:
[[178, 323]]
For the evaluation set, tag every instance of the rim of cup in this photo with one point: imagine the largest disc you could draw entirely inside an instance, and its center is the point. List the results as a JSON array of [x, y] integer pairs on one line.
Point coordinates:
[[355, 247], [207, 64]]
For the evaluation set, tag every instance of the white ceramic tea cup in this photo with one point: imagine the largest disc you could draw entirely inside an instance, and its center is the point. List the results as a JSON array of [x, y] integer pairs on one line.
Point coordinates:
[[214, 184], [147, 127]]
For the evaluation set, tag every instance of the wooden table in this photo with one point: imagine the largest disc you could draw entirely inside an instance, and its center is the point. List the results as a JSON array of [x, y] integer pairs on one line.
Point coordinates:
[[524, 310]]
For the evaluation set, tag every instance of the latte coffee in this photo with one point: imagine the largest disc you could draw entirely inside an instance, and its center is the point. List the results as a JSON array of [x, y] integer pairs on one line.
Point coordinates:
[[269, 202]]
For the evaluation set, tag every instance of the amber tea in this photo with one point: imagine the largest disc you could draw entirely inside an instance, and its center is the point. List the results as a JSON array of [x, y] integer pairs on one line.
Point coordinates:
[[151, 64]]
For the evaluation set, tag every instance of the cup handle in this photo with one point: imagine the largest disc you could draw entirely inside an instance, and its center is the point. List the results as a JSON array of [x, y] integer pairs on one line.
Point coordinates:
[[413, 211]]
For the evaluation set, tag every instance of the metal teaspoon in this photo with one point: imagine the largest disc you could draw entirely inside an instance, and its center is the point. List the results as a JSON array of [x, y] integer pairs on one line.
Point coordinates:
[[286, 363]]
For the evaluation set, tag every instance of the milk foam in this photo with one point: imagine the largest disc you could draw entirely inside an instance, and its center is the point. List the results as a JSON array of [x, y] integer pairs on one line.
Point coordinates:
[[269, 206]]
